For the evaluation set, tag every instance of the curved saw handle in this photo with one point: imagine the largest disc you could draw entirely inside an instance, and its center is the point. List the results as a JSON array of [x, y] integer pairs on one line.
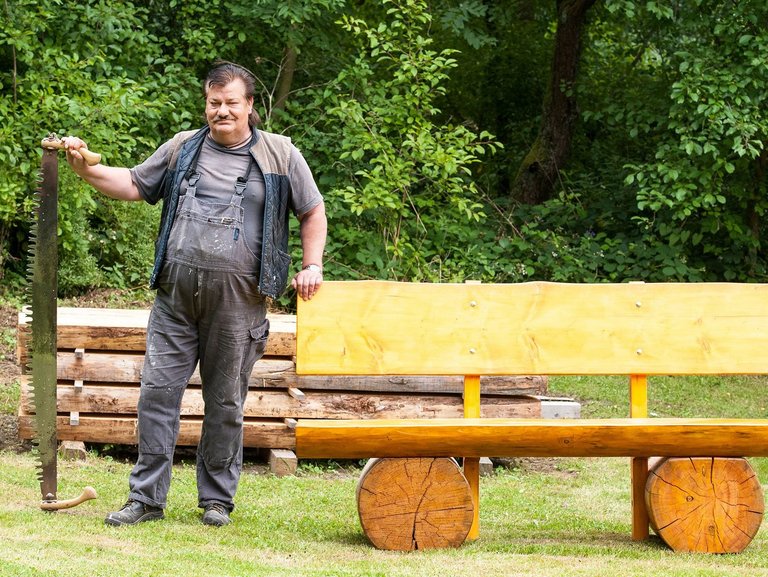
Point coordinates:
[[87, 494], [91, 158]]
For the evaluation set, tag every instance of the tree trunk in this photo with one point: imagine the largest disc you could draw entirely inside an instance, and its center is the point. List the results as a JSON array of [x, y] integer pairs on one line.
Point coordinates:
[[537, 177], [408, 504], [704, 504], [754, 219], [285, 81]]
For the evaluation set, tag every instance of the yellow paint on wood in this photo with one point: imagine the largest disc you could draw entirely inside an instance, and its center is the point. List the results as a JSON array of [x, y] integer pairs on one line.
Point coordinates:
[[378, 327], [472, 464], [472, 396], [638, 408], [638, 396], [472, 474], [639, 476]]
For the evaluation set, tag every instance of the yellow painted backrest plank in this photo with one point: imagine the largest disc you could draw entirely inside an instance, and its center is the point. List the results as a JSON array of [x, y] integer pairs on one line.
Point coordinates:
[[380, 327]]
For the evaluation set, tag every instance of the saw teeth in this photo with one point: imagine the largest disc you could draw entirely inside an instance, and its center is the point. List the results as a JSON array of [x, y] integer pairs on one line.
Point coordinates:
[[41, 271]]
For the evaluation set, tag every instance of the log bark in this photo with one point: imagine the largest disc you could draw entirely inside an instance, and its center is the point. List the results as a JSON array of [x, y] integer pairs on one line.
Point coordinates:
[[278, 372], [409, 504], [122, 431], [277, 403], [126, 330], [105, 367], [704, 504], [489, 385]]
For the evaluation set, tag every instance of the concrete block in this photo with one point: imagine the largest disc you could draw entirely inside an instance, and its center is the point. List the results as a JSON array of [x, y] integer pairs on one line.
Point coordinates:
[[282, 462], [560, 409], [72, 451], [486, 467]]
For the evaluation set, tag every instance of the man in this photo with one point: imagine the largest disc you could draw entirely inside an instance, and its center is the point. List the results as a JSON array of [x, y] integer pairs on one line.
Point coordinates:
[[220, 252]]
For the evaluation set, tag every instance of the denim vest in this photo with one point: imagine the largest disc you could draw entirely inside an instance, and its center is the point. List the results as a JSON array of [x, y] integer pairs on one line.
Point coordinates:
[[272, 153]]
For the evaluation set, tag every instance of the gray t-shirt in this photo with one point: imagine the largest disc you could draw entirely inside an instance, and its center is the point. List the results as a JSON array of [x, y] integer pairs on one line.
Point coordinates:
[[219, 168]]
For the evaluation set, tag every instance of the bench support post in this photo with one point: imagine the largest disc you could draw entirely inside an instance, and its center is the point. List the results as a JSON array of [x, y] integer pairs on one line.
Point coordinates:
[[638, 400], [472, 465]]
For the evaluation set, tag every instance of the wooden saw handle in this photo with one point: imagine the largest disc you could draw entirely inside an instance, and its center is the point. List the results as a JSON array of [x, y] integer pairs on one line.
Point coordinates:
[[91, 158], [87, 494]]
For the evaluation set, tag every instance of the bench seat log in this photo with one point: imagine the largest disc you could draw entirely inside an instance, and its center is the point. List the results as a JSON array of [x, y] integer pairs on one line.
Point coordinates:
[[354, 439]]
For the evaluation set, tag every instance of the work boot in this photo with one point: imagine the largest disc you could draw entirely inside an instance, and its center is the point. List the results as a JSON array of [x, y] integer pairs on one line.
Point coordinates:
[[216, 515], [134, 512]]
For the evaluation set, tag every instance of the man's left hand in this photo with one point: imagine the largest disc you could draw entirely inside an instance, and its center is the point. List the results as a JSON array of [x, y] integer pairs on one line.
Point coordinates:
[[307, 283]]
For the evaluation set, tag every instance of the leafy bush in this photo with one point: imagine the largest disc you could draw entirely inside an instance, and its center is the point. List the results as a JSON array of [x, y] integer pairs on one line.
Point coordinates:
[[665, 181], [112, 86], [398, 182]]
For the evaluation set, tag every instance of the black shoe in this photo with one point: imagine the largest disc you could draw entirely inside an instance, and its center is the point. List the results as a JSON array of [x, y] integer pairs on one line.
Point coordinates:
[[134, 512], [216, 515]]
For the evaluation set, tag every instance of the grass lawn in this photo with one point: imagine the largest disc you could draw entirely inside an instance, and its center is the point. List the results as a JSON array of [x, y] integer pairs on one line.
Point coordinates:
[[571, 519], [555, 517]]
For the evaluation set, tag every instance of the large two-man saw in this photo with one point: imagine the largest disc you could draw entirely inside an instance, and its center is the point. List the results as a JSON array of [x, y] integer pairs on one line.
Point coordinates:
[[43, 277]]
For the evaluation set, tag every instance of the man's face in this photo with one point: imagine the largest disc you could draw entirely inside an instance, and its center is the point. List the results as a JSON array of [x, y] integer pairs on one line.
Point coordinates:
[[227, 110]]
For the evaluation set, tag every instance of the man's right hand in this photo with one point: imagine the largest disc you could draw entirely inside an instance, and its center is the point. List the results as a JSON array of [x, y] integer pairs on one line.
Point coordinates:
[[73, 144], [113, 181]]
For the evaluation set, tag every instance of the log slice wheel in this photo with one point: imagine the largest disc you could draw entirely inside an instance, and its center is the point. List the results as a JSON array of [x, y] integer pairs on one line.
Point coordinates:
[[414, 503]]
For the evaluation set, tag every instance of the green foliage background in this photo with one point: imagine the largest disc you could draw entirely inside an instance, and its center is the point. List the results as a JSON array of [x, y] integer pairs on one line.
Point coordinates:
[[414, 118]]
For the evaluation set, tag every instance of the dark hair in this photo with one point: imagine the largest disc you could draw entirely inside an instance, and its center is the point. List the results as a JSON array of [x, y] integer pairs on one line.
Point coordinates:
[[224, 72]]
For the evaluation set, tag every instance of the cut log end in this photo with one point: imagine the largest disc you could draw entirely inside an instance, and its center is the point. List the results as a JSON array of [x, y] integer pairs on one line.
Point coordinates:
[[415, 503], [704, 504]]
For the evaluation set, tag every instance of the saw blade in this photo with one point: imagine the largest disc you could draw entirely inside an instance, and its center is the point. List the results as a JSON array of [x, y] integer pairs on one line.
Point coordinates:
[[43, 283]]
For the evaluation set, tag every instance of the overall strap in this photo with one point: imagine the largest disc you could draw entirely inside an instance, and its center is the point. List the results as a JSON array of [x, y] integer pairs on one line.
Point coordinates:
[[242, 181]]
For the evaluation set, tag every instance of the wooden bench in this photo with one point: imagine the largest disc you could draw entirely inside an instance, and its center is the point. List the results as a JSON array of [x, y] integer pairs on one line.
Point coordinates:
[[704, 497]]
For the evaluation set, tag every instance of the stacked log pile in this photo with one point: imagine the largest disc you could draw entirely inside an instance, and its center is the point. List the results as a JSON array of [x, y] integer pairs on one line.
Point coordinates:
[[101, 354]]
